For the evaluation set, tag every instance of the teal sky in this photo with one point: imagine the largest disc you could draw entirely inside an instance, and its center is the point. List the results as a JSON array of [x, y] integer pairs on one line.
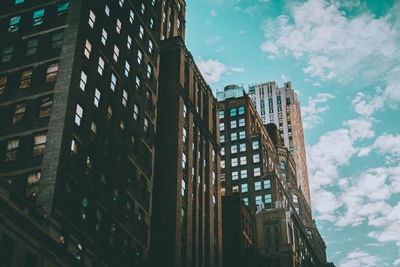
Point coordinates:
[[343, 58]]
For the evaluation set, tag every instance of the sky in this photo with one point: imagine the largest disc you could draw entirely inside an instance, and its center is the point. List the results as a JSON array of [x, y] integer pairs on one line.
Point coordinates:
[[343, 59]]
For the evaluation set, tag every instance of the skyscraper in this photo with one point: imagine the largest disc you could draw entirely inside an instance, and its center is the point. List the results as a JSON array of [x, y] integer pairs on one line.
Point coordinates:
[[282, 107], [78, 88]]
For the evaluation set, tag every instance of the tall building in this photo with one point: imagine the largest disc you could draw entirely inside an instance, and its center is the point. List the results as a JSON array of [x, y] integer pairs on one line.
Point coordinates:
[[78, 88], [282, 107], [186, 225]]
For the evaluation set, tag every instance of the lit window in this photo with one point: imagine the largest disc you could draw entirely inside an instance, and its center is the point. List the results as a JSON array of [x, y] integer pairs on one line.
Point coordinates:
[[56, 40], [118, 27], [222, 151], [32, 184], [282, 165], [135, 112], [241, 110], [137, 82], [183, 160], [255, 145], [131, 16], [257, 171], [233, 112], [222, 138], [7, 54], [113, 82], [116, 53], [129, 42], [14, 24], [241, 122], [242, 147], [256, 158], [151, 23], [121, 3], [97, 95], [83, 81], [38, 17], [268, 198], [141, 32], [223, 164], [19, 112], [124, 98], [11, 150], [233, 124], [295, 199], [267, 184], [107, 10], [122, 125], [3, 82], [243, 174], [222, 126], [109, 112], [45, 107], [153, 2], [31, 47], [51, 73], [178, 23], [223, 191], [26, 78], [221, 114], [93, 128], [243, 160], [39, 144], [233, 149], [19, 2], [146, 125], [242, 134], [235, 188], [139, 57], [233, 136], [74, 147], [257, 186], [184, 111], [246, 201], [244, 188], [100, 67], [127, 68], [183, 187], [235, 175], [78, 114], [150, 46], [149, 71], [259, 200], [143, 8], [88, 48], [234, 162], [62, 8], [92, 19], [104, 37]]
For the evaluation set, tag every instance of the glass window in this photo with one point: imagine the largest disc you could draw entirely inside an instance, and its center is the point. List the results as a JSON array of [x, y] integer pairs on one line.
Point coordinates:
[[19, 2], [129, 42], [137, 82], [150, 46], [244, 188], [221, 114], [257, 186], [107, 10], [233, 149], [100, 66], [26, 78], [116, 53], [241, 110], [149, 71], [282, 165], [242, 134], [14, 24], [78, 114], [268, 198], [256, 158], [151, 23], [56, 40], [127, 68], [235, 175], [139, 57], [233, 136], [3, 82], [255, 144], [88, 48], [131, 16], [233, 112], [38, 17], [118, 27], [143, 8], [19, 112], [183, 160], [135, 112], [233, 124], [97, 95], [295, 199], [243, 160], [11, 150], [223, 191], [141, 32], [51, 73], [259, 200], [241, 122], [83, 81], [45, 107], [121, 2], [223, 164], [243, 174], [222, 126], [257, 171], [246, 201], [183, 187], [39, 144], [146, 125], [235, 188], [242, 147], [234, 162], [62, 8], [31, 47], [267, 184], [32, 184], [7, 54], [92, 19], [113, 83], [124, 98], [222, 151], [222, 138], [104, 36]]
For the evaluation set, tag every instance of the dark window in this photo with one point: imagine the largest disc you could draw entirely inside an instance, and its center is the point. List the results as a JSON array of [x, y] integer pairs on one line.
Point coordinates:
[[56, 40], [32, 185], [7, 54], [31, 47]]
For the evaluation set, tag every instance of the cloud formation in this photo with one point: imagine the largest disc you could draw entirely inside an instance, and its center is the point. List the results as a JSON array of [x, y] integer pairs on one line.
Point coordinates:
[[311, 112]]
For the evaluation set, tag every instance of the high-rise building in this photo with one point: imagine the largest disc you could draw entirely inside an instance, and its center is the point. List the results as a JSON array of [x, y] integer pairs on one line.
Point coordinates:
[[186, 225], [78, 88], [282, 107]]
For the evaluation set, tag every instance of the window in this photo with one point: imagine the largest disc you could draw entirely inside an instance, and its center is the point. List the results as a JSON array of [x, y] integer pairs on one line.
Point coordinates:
[[137, 82], [222, 126], [184, 135], [97, 95], [151, 23], [141, 32], [153, 2], [3, 82], [233, 136], [223, 191], [107, 10], [183, 160], [244, 188], [116, 53], [259, 200], [257, 171], [83, 81], [257, 186], [241, 122], [121, 2], [235, 188], [267, 184], [241, 110], [242, 147], [39, 144], [242, 134], [142, 9], [139, 57], [78, 114], [113, 82], [234, 162], [11, 150], [127, 68], [74, 147], [183, 187], [56, 40], [26, 78], [100, 67], [38, 17], [282, 165], [104, 36], [222, 151], [295, 199], [150, 46], [221, 114], [233, 149], [19, 2], [268, 198], [62, 8], [31, 47], [233, 124], [222, 164], [19, 112], [246, 201], [256, 158], [135, 112], [131, 16], [146, 125], [243, 174], [92, 19], [109, 112], [129, 42], [7, 54], [45, 107], [222, 139], [233, 112], [243, 160], [32, 184], [124, 98], [14, 24], [93, 128], [149, 71], [255, 145], [235, 175], [88, 48], [51, 73], [118, 27]]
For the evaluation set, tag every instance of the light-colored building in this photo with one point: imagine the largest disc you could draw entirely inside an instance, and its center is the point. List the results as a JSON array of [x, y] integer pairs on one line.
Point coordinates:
[[282, 107]]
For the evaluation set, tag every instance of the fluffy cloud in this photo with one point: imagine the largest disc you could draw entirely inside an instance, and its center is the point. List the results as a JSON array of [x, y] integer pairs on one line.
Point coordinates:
[[388, 143], [310, 113], [239, 69], [359, 258], [211, 69], [213, 39]]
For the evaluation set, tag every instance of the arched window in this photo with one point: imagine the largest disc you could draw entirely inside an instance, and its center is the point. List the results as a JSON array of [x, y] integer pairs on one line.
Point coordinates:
[[233, 112], [295, 199], [283, 167], [241, 110]]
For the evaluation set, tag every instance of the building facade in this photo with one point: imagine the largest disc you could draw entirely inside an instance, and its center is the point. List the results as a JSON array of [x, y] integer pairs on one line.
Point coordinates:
[[78, 94], [186, 225], [282, 107]]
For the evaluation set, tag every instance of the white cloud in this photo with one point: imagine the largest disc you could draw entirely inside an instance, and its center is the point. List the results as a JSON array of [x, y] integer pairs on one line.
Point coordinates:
[[239, 69], [360, 129], [388, 143], [284, 77], [213, 13], [212, 70], [310, 112], [213, 39], [359, 258]]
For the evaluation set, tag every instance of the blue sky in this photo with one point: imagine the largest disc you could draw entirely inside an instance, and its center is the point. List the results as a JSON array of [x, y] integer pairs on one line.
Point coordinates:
[[343, 58]]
